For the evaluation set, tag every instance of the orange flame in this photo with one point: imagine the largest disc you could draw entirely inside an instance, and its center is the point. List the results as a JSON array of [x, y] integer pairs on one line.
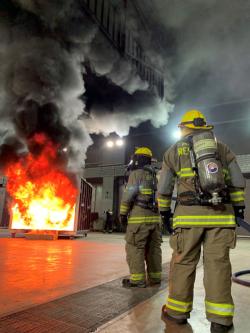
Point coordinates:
[[43, 197]]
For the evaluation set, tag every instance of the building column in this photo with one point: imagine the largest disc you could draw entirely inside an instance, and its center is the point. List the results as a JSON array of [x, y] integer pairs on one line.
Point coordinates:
[[108, 193]]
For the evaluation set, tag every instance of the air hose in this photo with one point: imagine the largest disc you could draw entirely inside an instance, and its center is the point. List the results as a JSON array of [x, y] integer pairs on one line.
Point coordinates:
[[236, 278]]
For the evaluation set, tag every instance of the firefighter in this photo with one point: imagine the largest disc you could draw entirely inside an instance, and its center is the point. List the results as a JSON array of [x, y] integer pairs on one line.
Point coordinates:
[[140, 214], [210, 195]]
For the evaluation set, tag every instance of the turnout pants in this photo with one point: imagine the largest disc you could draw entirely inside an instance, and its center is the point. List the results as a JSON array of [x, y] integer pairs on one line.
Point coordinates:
[[186, 244], [143, 244]]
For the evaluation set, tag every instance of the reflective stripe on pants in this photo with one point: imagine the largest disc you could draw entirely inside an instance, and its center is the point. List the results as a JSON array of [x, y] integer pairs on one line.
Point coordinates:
[[220, 309], [179, 305]]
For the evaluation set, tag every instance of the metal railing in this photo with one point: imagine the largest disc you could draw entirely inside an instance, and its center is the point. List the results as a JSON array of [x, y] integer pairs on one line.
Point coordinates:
[[4, 214], [112, 21]]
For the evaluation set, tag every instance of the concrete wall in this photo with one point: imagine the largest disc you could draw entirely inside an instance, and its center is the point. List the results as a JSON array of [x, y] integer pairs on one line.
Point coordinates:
[[241, 231], [96, 206]]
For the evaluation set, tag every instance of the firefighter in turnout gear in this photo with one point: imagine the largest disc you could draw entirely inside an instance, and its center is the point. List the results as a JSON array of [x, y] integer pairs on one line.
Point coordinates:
[[139, 212], [210, 195]]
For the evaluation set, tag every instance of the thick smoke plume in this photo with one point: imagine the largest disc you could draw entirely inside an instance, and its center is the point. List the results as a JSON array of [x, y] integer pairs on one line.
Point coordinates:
[[43, 48], [206, 46]]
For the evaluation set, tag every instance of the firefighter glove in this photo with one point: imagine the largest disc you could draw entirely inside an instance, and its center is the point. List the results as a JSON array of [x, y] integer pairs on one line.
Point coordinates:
[[239, 211], [166, 219], [124, 220]]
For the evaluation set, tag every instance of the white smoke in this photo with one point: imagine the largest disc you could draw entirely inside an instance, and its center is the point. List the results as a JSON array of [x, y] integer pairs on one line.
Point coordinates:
[[107, 61], [207, 44], [121, 120]]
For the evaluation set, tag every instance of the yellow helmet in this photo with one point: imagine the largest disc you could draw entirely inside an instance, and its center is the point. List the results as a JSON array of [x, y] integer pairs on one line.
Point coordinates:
[[143, 151], [194, 119]]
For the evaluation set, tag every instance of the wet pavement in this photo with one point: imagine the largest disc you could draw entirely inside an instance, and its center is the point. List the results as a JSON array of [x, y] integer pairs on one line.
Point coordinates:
[[38, 272]]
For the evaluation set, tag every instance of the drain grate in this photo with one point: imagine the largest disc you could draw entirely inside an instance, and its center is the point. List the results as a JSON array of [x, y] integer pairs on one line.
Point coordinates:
[[82, 312]]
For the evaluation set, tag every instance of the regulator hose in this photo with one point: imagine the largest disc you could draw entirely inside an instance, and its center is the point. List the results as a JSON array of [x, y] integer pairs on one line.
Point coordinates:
[[240, 281]]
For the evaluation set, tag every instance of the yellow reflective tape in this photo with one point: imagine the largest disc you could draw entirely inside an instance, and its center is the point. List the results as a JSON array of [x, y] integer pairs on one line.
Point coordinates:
[[164, 203], [161, 199], [187, 175], [179, 302], [238, 199], [222, 305], [226, 174], [176, 309], [143, 221], [237, 193], [237, 196], [145, 217], [186, 172], [204, 220], [207, 217], [204, 223], [137, 277], [220, 308], [155, 274], [220, 313]]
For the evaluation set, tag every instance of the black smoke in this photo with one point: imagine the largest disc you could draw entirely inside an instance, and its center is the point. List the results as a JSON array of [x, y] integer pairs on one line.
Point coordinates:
[[45, 47]]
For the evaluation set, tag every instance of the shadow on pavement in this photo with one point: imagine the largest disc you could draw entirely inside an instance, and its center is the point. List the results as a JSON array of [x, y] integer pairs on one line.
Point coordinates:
[[174, 328]]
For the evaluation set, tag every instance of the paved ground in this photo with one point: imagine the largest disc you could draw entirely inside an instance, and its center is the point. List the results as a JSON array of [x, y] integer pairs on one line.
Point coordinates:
[[146, 317], [36, 272]]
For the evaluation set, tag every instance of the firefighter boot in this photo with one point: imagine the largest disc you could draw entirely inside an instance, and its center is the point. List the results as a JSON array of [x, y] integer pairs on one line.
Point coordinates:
[[155, 282], [219, 328], [126, 283], [166, 317]]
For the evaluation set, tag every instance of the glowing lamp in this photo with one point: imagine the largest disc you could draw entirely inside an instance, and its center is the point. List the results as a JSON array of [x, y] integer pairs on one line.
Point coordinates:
[[110, 144], [119, 143]]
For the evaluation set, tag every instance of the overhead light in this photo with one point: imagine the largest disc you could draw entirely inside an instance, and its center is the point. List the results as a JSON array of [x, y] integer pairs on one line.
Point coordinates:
[[119, 142], [110, 144]]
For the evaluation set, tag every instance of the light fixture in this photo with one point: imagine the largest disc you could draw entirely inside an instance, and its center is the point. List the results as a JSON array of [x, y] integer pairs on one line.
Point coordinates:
[[119, 142], [110, 144]]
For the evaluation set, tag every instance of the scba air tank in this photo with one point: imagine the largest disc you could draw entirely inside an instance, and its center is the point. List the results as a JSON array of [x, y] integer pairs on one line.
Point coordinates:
[[209, 166]]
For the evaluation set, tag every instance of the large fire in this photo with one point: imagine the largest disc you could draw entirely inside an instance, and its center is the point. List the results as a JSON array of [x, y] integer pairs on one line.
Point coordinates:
[[43, 197]]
